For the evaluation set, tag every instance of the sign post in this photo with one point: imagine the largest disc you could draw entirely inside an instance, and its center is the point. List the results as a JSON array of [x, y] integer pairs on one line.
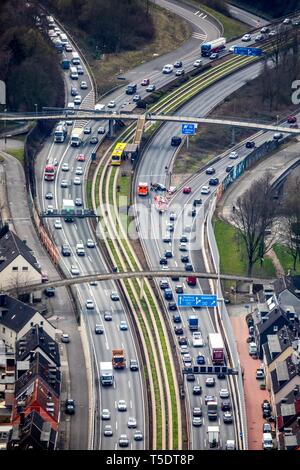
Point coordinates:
[[248, 51], [188, 129], [198, 300]]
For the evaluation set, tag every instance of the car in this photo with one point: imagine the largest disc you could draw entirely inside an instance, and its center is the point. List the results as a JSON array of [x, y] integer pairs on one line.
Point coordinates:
[[179, 72], [224, 393], [122, 406], [163, 260], [187, 190], [233, 155], [197, 411], [138, 436], [277, 136], [80, 70], [94, 140], [145, 82], [111, 104], [176, 318], [176, 141], [294, 126], [108, 432], [65, 338], [246, 37], [105, 414], [50, 209], [182, 246], [74, 270], [123, 325], [210, 171], [227, 417], [296, 22], [77, 100], [164, 284], [184, 349], [87, 130], [250, 144], [178, 64], [287, 21], [178, 330], [210, 382], [267, 413], [197, 390], [208, 398], [183, 239], [213, 181], [182, 341], [74, 91], [258, 37], [70, 406], [107, 316], [123, 441], [193, 213], [131, 423], [68, 47], [167, 68], [90, 243], [168, 254], [89, 303], [188, 228], [214, 55], [188, 267], [77, 181], [200, 359], [98, 329], [83, 85], [197, 202], [265, 30], [173, 216], [69, 122], [179, 289], [221, 376], [260, 375], [133, 365], [80, 157], [78, 201], [205, 190], [170, 227], [197, 421], [136, 98], [185, 259], [64, 183], [197, 63], [231, 49], [291, 119], [225, 405], [197, 339], [79, 171], [49, 195], [172, 306], [101, 130], [190, 377], [267, 427], [229, 168], [165, 268], [58, 224], [49, 292], [167, 238]]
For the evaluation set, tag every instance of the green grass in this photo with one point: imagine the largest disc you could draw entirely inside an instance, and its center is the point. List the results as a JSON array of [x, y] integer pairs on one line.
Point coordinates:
[[286, 259], [89, 194], [18, 154], [233, 256], [231, 27]]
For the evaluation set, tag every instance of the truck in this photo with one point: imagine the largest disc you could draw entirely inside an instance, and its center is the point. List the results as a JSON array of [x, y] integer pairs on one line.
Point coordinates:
[[212, 410], [118, 358], [68, 209], [161, 203], [65, 62], [106, 373], [76, 137], [143, 189], [216, 347], [60, 132], [99, 108], [131, 89], [193, 322], [230, 444], [216, 45], [49, 173], [213, 436]]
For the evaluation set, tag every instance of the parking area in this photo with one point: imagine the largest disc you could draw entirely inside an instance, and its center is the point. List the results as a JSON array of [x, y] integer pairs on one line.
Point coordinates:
[[254, 396]]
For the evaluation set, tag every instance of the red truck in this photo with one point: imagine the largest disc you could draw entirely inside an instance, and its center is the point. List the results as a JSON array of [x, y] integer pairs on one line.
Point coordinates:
[[216, 347], [50, 171]]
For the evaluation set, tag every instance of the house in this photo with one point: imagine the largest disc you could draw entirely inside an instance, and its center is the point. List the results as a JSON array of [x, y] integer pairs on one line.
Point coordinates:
[[32, 432], [284, 379], [17, 318], [278, 347], [37, 340], [262, 329], [18, 265], [287, 291], [289, 438], [288, 410]]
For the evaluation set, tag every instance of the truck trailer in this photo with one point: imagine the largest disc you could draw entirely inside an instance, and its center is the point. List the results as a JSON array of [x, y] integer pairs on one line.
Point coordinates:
[[216, 45], [68, 209], [193, 322], [216, 347], [213, 436], [106, 373], [118, 358]]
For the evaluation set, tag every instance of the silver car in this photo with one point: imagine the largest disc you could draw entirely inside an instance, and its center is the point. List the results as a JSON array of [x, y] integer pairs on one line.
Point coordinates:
[[105, 414]]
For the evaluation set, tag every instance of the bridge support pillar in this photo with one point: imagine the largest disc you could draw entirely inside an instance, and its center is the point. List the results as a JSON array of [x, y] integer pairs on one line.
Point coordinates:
[[142, 289], [111, 132]]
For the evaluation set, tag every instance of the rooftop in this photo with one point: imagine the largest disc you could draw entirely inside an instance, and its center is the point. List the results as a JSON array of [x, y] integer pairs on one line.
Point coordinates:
[[277, 343], [12, 246], [37, 338], [34, 433], [283, 373], [14, 314], [39, 366]]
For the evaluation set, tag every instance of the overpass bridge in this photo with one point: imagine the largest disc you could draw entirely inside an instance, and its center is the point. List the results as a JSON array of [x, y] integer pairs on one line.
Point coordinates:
[[133, 274]]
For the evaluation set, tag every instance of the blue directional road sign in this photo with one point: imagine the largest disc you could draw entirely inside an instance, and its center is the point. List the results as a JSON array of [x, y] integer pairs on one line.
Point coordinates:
[[248, 51], [201, 300], [188, 129]]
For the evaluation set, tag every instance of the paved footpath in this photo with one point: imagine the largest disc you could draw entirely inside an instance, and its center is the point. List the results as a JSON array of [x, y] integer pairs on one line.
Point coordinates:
[[60, 310]]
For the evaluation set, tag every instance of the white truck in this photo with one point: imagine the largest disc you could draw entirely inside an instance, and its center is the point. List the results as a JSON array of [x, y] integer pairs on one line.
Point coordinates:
[[76, 138], [99, 108], [213, 436], [106, 373], [68, 208]]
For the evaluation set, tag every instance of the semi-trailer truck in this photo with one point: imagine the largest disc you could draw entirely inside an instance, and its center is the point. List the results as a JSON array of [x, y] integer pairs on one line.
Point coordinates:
[[193, 322], [60, 132], [216, 45], [118, 358], [106, 373], [216, 347]]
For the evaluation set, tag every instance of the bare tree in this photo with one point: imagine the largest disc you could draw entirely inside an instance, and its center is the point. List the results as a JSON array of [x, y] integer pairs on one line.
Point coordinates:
[[290, 211], [254, 213]]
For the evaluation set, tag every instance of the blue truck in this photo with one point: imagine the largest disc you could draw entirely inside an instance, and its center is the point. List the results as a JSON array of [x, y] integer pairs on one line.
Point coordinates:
[[193, 322]]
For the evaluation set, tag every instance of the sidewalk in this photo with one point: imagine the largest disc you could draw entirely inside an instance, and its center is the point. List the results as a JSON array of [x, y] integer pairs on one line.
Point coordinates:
[[60, 311]]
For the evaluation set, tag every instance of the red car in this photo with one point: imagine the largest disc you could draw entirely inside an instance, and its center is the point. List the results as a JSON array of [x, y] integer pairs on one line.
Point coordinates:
[[291, 119], [187, 190], [145, 82], [80, 158]]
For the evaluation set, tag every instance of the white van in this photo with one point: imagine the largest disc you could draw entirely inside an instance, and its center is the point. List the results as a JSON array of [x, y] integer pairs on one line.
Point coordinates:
[[71, 108], [75, 58], [267, 441], [252, 349], [167, 68], [74, 73], [80, 249]]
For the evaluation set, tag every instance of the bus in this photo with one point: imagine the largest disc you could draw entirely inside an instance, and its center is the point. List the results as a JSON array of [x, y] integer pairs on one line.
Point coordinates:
[[116, 156]]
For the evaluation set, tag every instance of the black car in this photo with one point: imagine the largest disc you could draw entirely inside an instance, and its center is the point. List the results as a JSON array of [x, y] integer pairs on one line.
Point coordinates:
[[99, 330], [193, 213], [197, 202], [175, 278], [183, 239], [176, 141], [163, 260], [210, 171], [226, 406], [168, 254], [221, 376], [176, 318], [66, 250], [178, 64], [190, 377], [197, 390], [178, 330], [213, 181], [164, 284], [182, 341], [250, 144], [189, 267], [70, 406], [172, 306], [229, 168], [50, 291], [185, 259], [49, 195]]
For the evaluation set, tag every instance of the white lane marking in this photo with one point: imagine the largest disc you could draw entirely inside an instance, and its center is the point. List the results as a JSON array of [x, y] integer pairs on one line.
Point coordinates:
[[90, 259], [200, 14], [204, 17], [196, 12], [129, 386], [130, 404], [75, 226], [116, 424], [199, 36]]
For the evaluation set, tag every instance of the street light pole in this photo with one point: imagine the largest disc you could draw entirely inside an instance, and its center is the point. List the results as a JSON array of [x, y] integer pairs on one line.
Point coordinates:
[[35, 109]]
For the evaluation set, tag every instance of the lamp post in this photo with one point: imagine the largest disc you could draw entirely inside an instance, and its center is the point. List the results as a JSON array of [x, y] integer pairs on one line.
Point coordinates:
[[36, 109], [5, 111]]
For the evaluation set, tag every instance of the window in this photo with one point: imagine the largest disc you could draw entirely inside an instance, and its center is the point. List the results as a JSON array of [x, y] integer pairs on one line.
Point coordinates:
[[31, 323], [15, 268], [25, 268], [42, 323], [275, 328], [3, 330]]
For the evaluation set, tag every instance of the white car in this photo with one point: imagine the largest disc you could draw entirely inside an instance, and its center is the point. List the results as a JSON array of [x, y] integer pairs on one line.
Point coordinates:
[[77, 180], [183, 246], [89, 304], [197, 63], [79, 171], [101, 130], [184, 349], [272, 33], [58, 224], [231, 49], [197, 339], [205, 190], [65, 167], [287, 21], [233, 155], [105, 415], [187, 359], [64, 184], [50, 209], [131, 423], [68, 47], [111, 104], [122, 406], [167, 68], [224, 393], [77, 100], [210, 382], [123, 441], [246, 37], [108, 430], [90, 243], [74, 270], [83, 85]]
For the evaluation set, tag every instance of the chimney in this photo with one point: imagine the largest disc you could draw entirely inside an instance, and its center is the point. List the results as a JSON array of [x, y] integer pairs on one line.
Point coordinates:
[[22, 419], [2, 299]]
